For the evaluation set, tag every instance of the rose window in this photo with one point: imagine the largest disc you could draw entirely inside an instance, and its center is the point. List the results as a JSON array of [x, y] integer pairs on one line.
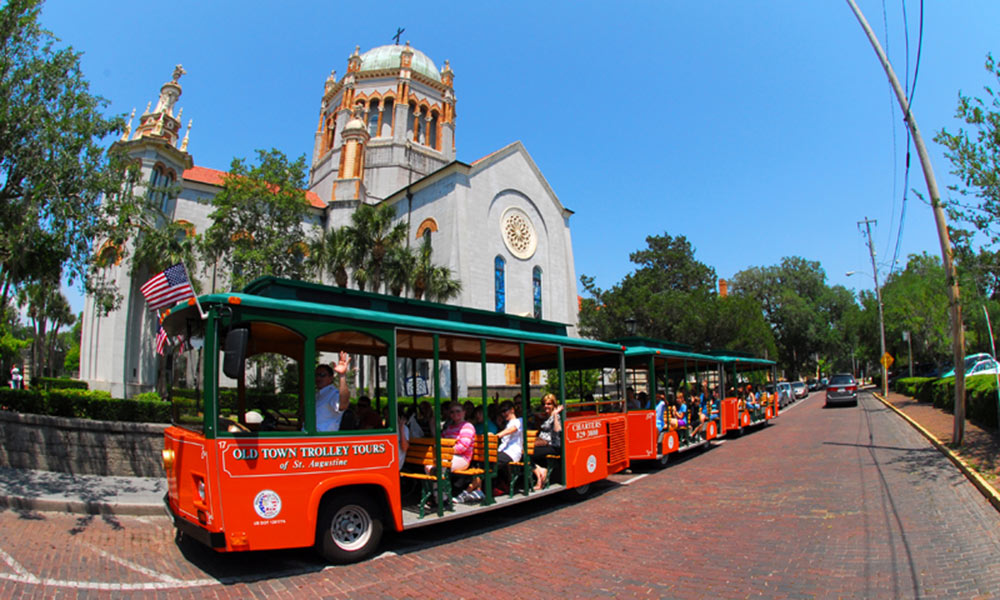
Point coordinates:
[[518, 233]]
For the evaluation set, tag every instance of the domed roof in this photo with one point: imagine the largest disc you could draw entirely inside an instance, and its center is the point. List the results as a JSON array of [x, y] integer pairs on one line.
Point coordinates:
[[388, 57]]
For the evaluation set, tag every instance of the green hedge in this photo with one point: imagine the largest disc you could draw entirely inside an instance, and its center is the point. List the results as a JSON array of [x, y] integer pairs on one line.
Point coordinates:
[[84, 404], [980, 395], [59, 383]]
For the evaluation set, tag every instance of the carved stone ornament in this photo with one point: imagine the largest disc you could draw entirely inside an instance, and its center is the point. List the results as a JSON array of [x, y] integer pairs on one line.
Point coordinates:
[[518, 233]]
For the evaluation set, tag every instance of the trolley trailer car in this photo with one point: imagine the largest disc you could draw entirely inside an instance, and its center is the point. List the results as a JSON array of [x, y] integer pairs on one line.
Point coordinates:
[[746, 403], [249, 468]]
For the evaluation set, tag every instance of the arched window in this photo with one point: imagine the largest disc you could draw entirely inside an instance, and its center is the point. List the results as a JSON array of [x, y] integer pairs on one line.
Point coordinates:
[[432, 137], [412, 129], [536, 291], [387, 115], [499, 284], [373, 116]]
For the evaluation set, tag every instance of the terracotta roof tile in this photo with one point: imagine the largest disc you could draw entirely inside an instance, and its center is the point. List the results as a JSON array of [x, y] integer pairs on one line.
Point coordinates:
[[214, 177]]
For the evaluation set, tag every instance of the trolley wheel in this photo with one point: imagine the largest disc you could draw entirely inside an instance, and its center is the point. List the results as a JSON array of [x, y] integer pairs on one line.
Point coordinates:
[[580, 492], [349, 528], [663, 459]]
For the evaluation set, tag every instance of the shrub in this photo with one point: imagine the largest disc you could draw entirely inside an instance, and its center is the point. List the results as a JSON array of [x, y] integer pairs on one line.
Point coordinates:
[[23, 401], [59, 383]]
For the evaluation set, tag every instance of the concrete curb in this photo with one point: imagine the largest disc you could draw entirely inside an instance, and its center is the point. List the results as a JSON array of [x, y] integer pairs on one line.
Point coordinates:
[[977, 480], [83, 507]]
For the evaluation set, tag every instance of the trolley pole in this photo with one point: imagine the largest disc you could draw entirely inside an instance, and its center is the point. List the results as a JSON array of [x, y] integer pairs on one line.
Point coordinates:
[[957, 332], [878, 297]]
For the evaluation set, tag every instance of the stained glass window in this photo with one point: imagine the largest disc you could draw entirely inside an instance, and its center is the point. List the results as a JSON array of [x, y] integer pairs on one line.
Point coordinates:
[[536, 290], [499, 284]]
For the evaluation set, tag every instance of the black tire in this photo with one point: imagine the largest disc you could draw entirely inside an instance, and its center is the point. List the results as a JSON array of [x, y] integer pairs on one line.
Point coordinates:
[[349, 528], [580, 492], [663, 460]]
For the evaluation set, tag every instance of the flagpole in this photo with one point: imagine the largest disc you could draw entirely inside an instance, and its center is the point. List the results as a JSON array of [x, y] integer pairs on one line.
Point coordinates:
[[187, 274]]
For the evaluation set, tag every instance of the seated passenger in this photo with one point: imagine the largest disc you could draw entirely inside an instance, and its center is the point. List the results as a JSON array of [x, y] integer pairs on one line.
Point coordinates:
[[549, 439], [332, 402], [404, 435], [367, 417], [511, 444], [464, 435], [680, 408], [482, 425], [661, 411]]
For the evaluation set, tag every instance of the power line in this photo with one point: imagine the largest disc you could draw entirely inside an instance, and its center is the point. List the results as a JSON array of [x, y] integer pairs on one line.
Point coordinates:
[[909, 103]]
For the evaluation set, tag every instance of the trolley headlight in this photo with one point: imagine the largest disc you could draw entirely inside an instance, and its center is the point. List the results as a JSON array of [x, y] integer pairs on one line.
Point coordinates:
[[168, 459]]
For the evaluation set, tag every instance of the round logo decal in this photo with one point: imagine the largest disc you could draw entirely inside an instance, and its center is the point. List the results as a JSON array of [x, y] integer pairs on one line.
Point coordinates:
[[670, 442], [267, 503], [591, 463], [711, 430]]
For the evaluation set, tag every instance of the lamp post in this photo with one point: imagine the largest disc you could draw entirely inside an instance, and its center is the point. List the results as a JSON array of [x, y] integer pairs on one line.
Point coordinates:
[[631, 324], [881, 322]]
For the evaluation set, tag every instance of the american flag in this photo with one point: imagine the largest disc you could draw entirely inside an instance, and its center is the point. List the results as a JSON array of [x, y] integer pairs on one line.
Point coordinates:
[[167, 288], [161, 337]]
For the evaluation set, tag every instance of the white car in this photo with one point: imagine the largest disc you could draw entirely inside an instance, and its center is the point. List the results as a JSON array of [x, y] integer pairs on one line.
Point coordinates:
[[972, 363], [785, 396], [984, 367]]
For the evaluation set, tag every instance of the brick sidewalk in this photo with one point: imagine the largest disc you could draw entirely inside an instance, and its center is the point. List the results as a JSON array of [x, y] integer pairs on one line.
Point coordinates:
[[980, 448]]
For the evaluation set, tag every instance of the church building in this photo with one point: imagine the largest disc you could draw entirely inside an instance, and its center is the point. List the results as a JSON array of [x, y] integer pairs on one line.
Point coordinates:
[[386, 133]]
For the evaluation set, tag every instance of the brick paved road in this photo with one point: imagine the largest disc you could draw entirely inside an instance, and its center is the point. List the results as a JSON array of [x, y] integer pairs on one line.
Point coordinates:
[[847, 502]]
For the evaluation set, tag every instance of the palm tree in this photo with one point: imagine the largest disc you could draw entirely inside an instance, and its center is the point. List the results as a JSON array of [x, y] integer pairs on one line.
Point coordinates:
[[399, 265], [434, 282], [331, 253], [373, 235]]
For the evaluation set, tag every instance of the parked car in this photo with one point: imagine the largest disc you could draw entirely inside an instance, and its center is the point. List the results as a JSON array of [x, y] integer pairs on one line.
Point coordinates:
[[842, 389], [813, 384], [800, 390], [971, 362], [984, 367], [785, 396]]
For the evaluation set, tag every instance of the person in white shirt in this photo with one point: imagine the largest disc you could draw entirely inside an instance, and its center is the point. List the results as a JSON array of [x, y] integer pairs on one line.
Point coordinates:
[[511, 445], [332, 401]]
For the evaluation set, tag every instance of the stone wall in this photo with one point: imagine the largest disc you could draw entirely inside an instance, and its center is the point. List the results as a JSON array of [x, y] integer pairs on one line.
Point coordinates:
[[81, 446]]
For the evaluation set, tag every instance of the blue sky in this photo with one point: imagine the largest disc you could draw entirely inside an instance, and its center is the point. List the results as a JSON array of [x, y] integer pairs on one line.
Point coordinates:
[[758, 130]]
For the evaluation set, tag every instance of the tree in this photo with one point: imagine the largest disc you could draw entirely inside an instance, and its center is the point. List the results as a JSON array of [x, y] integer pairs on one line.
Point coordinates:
[[54, 172], [47, 311], [71, 363], [912, 301], [436, 282], [975, 158], [798, 306], [257, 222], [672, 297], [373, 236], [331, 253]]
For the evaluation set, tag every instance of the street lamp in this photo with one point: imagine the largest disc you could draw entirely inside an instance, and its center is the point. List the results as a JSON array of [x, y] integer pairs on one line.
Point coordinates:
[[881, 327], [631, 324]]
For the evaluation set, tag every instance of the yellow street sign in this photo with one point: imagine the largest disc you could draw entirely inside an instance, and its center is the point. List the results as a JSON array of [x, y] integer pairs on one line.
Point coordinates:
[[887, 360]]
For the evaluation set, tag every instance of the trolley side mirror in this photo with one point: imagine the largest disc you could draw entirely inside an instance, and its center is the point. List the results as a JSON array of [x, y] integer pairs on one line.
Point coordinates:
[[235, 352]]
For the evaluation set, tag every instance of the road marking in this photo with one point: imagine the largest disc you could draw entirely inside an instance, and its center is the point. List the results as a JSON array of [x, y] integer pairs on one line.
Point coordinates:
[[22, 575], [21, 571], [135, 567], [634, 479]]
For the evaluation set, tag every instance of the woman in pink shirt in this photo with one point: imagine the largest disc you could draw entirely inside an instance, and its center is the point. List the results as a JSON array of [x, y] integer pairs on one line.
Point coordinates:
[[464, 434]]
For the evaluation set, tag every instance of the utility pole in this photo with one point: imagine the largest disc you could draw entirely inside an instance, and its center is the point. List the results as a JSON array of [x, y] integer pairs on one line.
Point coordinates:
[[957, 332], [878, 297]]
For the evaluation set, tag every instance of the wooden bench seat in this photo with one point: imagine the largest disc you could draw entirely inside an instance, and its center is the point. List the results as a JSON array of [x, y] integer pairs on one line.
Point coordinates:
[[421, 453]]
